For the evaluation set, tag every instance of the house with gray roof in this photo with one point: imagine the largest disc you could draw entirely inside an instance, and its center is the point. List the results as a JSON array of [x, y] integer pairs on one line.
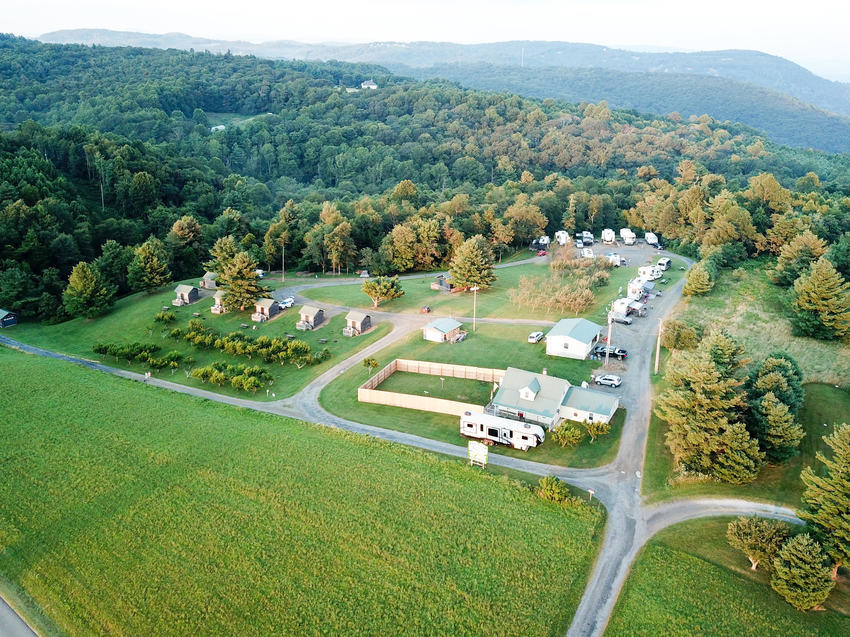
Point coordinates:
[[584, 404], [186, 294], [356, 322], [441, 330], [209, 281], [573, 338], [8, 319], [265, 310], [310, 317]]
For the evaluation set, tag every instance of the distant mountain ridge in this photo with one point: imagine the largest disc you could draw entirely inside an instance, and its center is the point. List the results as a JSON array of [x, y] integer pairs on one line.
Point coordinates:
[[755, 67]]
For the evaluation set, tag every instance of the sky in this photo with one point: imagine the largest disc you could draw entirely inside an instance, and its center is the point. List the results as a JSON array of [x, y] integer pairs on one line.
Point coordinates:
[[812, 33]]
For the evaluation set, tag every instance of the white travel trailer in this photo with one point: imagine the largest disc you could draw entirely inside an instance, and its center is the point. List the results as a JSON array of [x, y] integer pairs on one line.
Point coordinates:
[[651, 239], [543, 241], [627, 236], [650, 272], [636, 289], [608, 236], [587, 238], [562, 237], [503, 431]]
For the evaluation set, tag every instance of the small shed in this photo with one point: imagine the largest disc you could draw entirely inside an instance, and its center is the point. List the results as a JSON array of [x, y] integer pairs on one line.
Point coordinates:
[[310, 317], [356, 322], [208, 282], [8, 319], [572, 338], [218, 303], [441, 330], [186, 294], [443, 284], [264, 310]]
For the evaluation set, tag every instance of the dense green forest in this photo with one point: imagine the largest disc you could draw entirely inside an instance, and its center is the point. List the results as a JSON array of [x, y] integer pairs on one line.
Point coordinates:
[[113, 158]]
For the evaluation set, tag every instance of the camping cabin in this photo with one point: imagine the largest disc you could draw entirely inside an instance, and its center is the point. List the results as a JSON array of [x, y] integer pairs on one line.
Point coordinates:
[[218, 303], [8, 319], [572, 338], [441, 330], [310, 317], [356, 322], [443, 284], [208, 282], [503, 431], [264, 310], [186, 294]]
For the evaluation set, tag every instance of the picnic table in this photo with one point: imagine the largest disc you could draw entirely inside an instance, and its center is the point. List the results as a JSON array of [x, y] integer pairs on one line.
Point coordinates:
[[323, 340], [244, 325], [196, 314]]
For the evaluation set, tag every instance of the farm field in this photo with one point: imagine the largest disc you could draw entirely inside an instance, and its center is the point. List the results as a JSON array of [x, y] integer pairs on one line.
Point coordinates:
[[689, 581], [131, 320], [490, 346], [133, 510], [745, 299], [780, 484]]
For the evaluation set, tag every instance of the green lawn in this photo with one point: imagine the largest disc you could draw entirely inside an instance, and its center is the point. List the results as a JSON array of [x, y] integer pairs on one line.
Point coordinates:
[[496, 346], [744, 301], [494, 302], [460, 389], [132, 320], [127, 509], [780, 484], [689, 581]]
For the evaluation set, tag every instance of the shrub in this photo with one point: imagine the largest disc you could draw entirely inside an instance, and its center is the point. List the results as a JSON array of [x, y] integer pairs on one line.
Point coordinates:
[[165, 317], [567, 435], [553, 488]]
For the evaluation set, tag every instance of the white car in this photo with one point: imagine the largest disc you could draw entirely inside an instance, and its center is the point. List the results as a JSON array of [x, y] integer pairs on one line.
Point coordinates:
[[608, 379], [535, 337], [287, 303]]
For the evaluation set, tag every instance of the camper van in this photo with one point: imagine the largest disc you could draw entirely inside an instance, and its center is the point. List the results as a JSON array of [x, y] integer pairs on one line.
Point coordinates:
[[503, 431], [562, 237], [627, 236], [651, 239], [608, 236], [650, 272], [587, 238]]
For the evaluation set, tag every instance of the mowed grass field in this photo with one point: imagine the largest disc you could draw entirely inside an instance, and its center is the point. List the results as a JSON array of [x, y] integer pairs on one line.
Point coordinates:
[[689, 581], [755, 311], [131, 320], [825, 406], [460, 389], [129, 510], [498, 346]]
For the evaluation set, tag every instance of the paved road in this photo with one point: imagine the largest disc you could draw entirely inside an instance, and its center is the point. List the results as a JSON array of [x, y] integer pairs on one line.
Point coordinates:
[[617, 485], [11, 625]]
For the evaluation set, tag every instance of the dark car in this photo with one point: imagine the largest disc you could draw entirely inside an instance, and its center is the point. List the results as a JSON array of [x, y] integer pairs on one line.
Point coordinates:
[[617, 352]]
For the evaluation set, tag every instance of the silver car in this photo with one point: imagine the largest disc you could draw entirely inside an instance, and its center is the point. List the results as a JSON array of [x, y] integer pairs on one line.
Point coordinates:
[[608, 379]]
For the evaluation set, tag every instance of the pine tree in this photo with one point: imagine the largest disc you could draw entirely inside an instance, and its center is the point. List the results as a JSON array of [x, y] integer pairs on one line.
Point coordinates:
[[778, 373], [382, 288], [222, 252], [87, 294], [149, 268], [827, 498], [757, 538], [724, 350], [822, 303], [799, 574], [796, 256], [698, 280], [738, 460], [472, 264], [778, 432], [240, 281]]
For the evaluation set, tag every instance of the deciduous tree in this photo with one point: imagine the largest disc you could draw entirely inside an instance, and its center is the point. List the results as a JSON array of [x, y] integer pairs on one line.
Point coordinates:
[[382, 288], [757, 538]]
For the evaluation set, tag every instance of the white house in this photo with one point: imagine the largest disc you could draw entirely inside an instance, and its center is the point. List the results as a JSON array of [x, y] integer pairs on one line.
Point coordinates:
[[573, 338], [368, 84], [441, 330], [584, 404]]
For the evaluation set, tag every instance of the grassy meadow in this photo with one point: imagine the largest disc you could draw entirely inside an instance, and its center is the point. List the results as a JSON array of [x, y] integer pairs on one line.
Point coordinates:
[[744, 301], [496, 346], [129, 510], [131, 320], [689, 581], [460, 389]]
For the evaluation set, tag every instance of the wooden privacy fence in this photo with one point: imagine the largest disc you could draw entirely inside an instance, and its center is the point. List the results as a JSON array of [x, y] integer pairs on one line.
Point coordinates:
[[368, 392]]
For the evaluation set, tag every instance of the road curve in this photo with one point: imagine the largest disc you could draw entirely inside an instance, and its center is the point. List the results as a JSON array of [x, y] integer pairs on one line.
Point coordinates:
[[11, 624]]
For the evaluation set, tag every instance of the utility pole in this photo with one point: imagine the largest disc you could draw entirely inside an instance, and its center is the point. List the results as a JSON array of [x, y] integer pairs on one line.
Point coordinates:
[[658, 344], [608, 347], [474, 305], [282, 260]]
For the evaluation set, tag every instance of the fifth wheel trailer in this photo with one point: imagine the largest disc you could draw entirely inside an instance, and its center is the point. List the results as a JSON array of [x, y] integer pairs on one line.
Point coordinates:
[[494, 429]]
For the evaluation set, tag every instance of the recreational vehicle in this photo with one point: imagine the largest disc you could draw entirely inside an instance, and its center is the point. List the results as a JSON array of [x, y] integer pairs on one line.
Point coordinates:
[[562, 237], [587, 238], [608, 236], [650, 272], [627, 236], [503, 431], [651, 239]]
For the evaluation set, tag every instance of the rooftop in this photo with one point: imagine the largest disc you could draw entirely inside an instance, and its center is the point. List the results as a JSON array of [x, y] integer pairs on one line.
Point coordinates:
[[444, 325], [310, 310], [547, 400], [266, 303], [180, 289], [356, 315], [578, 328], [591, 400]]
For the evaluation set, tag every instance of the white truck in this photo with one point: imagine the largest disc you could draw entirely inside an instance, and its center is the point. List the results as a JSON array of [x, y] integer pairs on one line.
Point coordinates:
[[608, 236], [650, 272], [504, 431], [627, 236], [651, 239], [587, 238], [562, 237]]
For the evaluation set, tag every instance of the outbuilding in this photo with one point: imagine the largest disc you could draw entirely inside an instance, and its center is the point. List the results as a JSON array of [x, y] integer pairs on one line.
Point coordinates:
[[8, 319], [583, 404], [186, 294], [356, 322], [265, 309], [573, 338], [218, 303], [208, 282], [310, 317], [441, 330]]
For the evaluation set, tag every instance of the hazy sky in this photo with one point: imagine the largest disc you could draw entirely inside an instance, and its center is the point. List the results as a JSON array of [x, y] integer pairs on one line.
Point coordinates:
[[812, 33]]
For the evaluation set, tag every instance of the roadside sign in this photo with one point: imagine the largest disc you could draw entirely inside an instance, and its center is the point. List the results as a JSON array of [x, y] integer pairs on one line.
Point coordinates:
[[477, 453]]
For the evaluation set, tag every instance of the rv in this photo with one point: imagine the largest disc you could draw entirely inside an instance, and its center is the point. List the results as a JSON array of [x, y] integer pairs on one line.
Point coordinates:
[[635, 288], [627, 236], [543, 242], [650, 272], [608, 236], [651, 239], [562, 237], [587, 238], [615, 259], [627, 307], [503, 431]]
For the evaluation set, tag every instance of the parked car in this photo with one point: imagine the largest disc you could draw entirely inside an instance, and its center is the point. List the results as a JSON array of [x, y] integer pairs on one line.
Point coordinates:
[[608, 379], [617, 352], [287, 303], [619, 317], [664, 263], [579, 244], [535, 337], [459, 337], [541, 253]]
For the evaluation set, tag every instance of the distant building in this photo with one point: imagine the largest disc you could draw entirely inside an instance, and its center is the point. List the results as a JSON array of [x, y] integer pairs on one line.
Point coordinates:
[[215, 129], [441, 330], [208, 282], [352, 90], [368, 84], [8, 319]]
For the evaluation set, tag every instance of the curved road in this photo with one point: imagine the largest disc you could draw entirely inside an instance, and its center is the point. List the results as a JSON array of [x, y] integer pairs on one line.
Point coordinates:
[[617, 485]]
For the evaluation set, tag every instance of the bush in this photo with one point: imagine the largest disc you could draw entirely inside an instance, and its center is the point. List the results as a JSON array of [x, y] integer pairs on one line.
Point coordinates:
[[165, 317], [567, 435], [553, 489]]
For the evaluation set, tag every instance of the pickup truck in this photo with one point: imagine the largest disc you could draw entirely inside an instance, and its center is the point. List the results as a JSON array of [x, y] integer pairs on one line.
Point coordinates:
[[617, 352]]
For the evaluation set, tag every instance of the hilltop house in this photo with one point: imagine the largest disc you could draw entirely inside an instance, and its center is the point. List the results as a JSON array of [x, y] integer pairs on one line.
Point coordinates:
[[8, 319], [572, 338], [264, 310], [186, 294], [356, 322], [441, 330], [310, 317]]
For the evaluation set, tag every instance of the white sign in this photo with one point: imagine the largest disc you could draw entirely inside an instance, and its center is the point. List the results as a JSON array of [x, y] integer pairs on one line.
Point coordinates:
[[478, 453]]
